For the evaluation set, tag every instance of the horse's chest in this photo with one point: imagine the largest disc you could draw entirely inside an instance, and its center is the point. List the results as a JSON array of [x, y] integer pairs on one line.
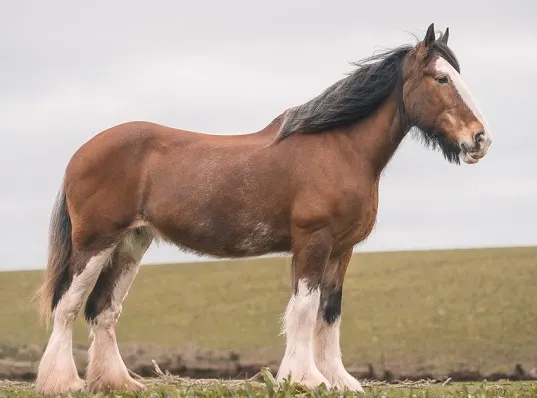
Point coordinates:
[[359, 218]]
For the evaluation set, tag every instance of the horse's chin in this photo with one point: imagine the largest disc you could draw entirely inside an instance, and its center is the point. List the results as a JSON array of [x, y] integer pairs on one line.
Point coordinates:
[[467, 158], [473, 157]]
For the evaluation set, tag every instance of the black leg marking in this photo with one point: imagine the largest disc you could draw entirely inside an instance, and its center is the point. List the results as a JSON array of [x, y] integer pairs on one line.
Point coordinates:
[[332, 306], [100, 297]]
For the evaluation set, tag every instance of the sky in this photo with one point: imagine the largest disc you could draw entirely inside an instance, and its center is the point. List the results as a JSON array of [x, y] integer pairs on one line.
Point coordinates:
[[69, 70]]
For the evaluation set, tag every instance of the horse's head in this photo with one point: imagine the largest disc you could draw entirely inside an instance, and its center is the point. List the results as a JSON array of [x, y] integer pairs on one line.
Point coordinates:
[[437, 101]]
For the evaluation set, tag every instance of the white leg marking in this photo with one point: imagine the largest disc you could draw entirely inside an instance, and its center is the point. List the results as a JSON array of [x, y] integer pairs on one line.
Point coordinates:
[[299, 322], [106, 368], [57, 372], [328, 356]]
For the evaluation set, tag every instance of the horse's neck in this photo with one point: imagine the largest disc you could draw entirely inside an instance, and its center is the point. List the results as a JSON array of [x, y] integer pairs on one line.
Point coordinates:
[[377, 137]]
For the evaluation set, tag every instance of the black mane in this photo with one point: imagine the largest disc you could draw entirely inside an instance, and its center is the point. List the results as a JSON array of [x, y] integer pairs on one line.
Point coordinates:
[[358, 95]]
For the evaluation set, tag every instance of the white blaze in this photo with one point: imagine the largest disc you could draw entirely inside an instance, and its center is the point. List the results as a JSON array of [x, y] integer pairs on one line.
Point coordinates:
[[444, 66]]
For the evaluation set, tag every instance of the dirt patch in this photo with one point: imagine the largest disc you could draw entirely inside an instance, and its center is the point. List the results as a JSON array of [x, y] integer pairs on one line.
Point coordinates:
[[20, 363]]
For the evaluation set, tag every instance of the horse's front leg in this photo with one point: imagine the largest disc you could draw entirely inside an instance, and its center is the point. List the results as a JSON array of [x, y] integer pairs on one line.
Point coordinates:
[[326, 343], [311, 251]]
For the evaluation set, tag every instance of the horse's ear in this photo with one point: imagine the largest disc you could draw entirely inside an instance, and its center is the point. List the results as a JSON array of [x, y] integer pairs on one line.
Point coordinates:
[[429, 36], [444, 38]]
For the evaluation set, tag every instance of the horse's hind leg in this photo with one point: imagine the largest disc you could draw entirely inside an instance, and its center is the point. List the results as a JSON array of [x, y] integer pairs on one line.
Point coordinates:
[[106, 369], [327, 348], [57, 372]]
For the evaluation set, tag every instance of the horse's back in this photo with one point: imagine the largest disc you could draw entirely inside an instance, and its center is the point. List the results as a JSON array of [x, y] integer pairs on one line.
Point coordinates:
[[125, 146]]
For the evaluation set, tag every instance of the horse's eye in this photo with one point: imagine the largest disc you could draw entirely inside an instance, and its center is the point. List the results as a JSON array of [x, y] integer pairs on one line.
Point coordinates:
[[442, 79]]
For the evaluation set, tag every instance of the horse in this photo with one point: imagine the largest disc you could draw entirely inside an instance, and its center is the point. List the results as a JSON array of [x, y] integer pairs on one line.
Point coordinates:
[[306, 184]]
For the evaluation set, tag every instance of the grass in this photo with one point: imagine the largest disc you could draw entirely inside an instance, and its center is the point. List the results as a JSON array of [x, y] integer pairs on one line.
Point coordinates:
[[408, 312], [176, 387]]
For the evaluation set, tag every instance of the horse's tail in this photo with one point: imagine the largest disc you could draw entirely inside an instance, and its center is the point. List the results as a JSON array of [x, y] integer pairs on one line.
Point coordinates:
[[59, 253]]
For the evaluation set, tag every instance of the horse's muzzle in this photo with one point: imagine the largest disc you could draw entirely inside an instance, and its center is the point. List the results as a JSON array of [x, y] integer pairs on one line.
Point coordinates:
[[472, 152]]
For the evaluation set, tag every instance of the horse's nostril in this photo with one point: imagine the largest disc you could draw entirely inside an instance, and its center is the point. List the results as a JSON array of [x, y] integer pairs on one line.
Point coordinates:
[[480, 138]]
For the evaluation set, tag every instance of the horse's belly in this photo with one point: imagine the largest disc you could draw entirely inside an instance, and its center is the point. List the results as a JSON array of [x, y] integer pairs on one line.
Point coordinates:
[[223, 239]]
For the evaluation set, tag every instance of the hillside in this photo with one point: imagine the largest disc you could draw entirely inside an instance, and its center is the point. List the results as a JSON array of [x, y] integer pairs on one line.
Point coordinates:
[[429, 312]]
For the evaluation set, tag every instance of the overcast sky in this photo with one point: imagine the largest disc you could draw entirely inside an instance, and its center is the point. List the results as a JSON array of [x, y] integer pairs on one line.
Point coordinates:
[[70, 69]]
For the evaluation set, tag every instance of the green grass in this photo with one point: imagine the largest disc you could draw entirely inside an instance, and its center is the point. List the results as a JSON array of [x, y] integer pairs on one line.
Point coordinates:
[[405, 311], [269, 388]]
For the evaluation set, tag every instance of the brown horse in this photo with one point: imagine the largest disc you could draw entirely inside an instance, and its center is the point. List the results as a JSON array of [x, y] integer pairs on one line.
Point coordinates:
[[306, 184]]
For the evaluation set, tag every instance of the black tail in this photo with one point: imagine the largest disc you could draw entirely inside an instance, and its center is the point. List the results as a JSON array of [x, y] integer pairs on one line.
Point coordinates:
[[56, 279]]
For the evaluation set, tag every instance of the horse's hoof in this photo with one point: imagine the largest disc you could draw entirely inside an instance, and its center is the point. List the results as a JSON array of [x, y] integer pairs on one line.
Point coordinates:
[[126, 383], [59, 386]]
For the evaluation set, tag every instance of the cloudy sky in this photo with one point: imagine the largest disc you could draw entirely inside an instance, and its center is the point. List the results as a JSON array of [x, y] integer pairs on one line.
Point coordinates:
[[69, 70]]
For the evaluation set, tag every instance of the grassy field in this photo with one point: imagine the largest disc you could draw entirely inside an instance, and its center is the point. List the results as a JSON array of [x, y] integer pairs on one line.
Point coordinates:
[[406, 312], [175, 387]]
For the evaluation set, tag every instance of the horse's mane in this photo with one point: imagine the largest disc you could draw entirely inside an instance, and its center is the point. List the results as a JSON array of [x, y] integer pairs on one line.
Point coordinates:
[[356, 96]]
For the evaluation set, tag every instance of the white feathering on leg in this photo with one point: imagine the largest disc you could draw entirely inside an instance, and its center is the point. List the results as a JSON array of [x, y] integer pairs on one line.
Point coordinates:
[[299, 322], [106, 368], [57, 372], [328, 356]]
